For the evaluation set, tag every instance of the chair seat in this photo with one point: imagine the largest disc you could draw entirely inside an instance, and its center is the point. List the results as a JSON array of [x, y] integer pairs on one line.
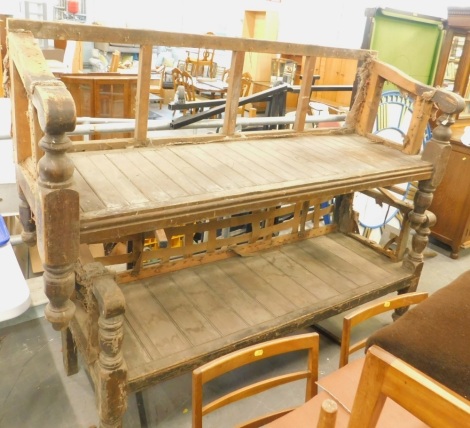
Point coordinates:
[[434, 336]]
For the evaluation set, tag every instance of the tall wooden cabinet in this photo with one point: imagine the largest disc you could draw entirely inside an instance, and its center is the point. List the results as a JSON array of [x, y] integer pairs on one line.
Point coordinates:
[[451, 202], [104, 95]]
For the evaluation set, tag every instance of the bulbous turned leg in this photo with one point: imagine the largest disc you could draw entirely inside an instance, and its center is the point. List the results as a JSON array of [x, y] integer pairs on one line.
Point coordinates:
[[59, 283]]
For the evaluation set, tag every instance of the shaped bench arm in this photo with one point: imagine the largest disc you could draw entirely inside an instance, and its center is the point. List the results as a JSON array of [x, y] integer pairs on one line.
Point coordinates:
[[111, 302], [427, 101], [54, 104]]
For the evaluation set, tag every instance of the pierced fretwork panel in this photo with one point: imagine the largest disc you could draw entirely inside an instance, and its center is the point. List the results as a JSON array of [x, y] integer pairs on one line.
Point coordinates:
[[218, 238]]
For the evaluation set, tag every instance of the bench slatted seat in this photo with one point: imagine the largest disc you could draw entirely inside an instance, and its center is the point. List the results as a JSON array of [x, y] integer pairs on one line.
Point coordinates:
[[124, 184], [210, 241], [188, 316]]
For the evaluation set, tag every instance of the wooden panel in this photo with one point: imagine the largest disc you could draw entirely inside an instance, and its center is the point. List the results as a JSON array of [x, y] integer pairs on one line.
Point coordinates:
[[184, 318]]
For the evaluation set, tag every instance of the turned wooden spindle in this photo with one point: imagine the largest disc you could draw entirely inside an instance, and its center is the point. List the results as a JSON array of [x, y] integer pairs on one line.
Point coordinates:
[[437, 151], [58, 228]]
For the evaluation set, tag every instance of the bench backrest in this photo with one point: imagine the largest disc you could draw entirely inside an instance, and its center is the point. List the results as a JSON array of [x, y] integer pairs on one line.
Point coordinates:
[[42, 104]]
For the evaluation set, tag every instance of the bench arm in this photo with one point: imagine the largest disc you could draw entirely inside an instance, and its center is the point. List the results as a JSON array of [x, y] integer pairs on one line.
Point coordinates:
[[43, 111], [427, 100]]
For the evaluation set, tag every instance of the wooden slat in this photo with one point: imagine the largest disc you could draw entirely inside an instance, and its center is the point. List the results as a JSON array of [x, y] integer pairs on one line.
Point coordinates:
[[151, 323], [258, 287], [211, 167], [233, 93], [146, 176], [255, 164], [89, 201], [305, 93], [303, 273], [215, 309], [320, 267], [99, 183], [252, 311], [233, 162], [142, 96], [189, 322], [181, 172], [266, 158]]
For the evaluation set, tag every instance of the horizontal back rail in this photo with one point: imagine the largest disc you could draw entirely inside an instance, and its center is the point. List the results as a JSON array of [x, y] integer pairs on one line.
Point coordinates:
[[97, 33]]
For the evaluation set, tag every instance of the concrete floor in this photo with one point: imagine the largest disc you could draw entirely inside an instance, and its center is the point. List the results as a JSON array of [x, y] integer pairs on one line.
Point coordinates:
[[35, 392]]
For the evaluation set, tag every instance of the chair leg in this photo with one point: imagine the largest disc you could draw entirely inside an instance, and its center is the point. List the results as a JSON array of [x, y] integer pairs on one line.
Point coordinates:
[[29, 226], [69, 353], [141, 408]]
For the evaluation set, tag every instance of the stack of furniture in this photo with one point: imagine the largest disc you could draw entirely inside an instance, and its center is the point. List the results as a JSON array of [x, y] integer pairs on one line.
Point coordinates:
[[258, 260]]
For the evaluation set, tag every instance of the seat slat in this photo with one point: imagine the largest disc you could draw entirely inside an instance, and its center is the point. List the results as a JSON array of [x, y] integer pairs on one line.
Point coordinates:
[[141, 171]]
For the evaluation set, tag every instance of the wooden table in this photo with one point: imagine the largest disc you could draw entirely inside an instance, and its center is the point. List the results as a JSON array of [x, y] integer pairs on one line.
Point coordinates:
[[214, 88], [341, 386]]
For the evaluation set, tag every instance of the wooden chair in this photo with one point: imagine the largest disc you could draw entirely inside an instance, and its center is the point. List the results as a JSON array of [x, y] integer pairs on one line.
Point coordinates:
[[181, 78], [225, 75], [368, 311], [115, 59], [203, 60], [243, 357], [246, 83], [386, 376], [157, 87]]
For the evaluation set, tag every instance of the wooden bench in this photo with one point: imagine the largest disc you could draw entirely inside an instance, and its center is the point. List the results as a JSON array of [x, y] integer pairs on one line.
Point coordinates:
[[264, 228]]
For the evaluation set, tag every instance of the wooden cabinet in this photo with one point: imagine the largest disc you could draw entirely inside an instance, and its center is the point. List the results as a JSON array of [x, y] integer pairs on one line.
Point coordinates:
[[334, 71], [451, 202], [103, 95]]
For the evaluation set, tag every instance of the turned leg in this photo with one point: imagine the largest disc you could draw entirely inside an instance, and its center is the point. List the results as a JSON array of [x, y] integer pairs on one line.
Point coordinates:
[[69, 352], [57, 218], [437, 151], [28, 235]]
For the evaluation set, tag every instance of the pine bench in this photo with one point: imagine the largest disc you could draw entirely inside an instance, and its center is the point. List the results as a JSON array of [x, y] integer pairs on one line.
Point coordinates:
[[264, 233]]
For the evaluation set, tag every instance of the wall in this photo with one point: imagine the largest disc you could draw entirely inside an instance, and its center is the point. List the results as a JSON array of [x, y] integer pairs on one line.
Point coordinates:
[[334, 23], [341, 22], [338, 23]]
